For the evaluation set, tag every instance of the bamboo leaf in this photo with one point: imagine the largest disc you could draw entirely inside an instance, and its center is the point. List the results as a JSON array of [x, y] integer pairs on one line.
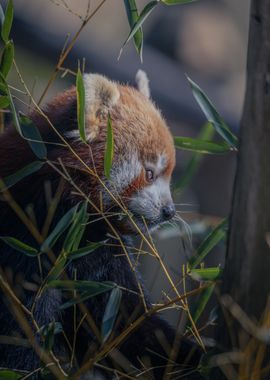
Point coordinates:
[[206, 133], [177, 2], [143, 16], [59, 229], [2, 16], [8, 374], [20, 246], [31, 132], [201, 146], [7, 23], [110, 314], [7, 58], [81, 285], [108, 156], [57, 269], [206, 274], [4, 88], [48, 332], [80, 104], [22, 173], [84, 251], [212, 115], [215, 236], [76, 229], [4, 101], [94, 289], [133, 15], [202, 302]]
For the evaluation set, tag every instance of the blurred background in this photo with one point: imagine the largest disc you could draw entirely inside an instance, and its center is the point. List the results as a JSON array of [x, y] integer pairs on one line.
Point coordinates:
[[206, 40]]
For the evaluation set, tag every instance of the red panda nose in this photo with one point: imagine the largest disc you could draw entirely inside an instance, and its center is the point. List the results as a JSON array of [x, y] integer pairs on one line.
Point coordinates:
[[168, 211]]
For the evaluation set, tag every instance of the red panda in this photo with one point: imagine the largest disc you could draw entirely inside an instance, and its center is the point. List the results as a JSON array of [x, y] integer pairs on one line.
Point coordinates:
[[143, 161]]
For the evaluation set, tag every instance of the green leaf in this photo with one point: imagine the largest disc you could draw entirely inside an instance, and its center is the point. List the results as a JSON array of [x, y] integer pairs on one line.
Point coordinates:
[[177, 2], [31, 132], [48, 332], [133, 15], [57, 328], [77, 229], [22, 173], [108, 156], [201, 146], [81, 285], [4, 87], [206, 133], [84, 251], [6, 26], [20, 246], [80, 104], [110, 313], [2, 16], [215, 236], [4, 101], [202, 302], [8, 374], [94, 289], [59, 229], [212, 115], [57, 269], [206, 274], [7, 58], [143, 16]]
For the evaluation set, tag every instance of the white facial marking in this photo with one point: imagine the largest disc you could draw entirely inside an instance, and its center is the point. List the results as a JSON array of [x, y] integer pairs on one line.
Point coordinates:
[[123, 173], [149, 201]]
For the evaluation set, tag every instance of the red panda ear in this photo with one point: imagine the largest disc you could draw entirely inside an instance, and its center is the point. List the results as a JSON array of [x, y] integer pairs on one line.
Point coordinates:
[[101, 95], [143, 83]]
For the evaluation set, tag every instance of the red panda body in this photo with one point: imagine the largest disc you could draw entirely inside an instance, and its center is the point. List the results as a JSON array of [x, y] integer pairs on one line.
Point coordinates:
[[139, 183]]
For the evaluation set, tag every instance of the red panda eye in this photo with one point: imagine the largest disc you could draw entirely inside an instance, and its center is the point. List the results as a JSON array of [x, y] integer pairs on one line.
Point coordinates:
[[149, 174]]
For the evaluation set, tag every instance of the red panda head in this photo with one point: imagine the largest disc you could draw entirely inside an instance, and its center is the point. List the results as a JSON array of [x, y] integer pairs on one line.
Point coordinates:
[[144, 154]]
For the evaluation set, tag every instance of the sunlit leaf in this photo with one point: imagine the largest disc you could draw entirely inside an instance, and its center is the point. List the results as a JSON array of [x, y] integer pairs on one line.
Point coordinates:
[[33, 136], [201, 146], [19, 246], [4, 101], [7, 58], [143, 16], [206, 274], [177, 2], [80, 104], [7, 23], [207, 134], [110, 314], [133, 15], [84, 251], [8, 374], [202, 302], [22, 173], [59, 229], [219, 233], [108, 155], [212, 115]]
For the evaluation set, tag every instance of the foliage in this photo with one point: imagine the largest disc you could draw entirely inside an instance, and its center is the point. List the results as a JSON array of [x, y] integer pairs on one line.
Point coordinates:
[[68, 231]]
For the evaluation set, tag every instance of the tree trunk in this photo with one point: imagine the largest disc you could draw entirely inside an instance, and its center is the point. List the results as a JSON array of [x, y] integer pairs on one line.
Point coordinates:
[[247, 270]]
